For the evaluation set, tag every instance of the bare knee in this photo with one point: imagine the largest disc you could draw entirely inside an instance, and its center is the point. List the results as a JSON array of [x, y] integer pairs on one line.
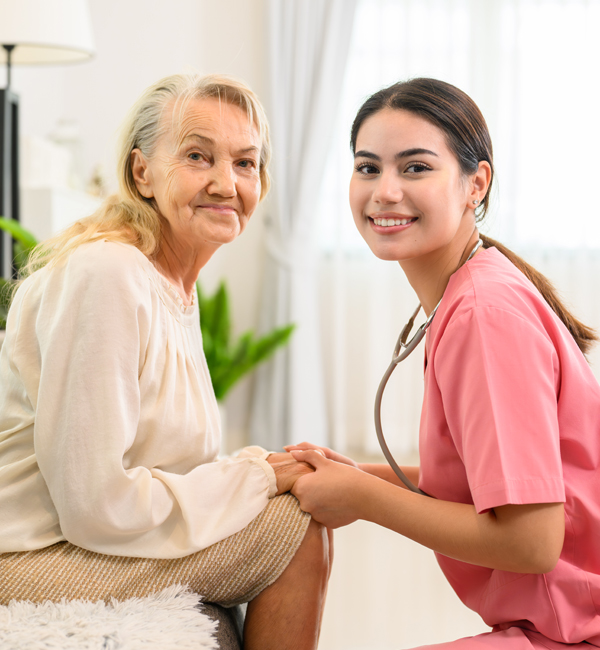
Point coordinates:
[[288, 613], [315, 553]]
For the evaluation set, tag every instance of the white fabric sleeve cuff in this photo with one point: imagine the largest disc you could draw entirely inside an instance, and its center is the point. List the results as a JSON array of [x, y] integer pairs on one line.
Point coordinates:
[[254, 451], [270, 472]]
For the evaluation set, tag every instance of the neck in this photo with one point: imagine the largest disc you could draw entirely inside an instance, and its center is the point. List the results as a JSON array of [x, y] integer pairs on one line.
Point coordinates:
[[429, 274], [181, 264]]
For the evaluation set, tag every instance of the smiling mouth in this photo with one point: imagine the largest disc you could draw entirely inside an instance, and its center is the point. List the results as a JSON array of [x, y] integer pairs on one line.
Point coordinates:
[[218, 208], [392, 222]]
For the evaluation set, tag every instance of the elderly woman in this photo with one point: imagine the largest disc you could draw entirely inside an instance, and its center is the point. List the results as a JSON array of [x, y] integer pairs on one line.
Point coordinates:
[[110, 484]]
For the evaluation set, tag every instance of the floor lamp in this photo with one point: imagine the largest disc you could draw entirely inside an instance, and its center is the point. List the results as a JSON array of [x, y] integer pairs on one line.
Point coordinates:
[[32, 32]]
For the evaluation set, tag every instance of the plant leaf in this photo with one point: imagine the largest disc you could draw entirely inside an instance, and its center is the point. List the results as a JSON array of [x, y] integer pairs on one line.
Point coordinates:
[[20, 234], [228, 362], [266, 345], [221, 325], [248, 355], [25, 241], [6, 287]]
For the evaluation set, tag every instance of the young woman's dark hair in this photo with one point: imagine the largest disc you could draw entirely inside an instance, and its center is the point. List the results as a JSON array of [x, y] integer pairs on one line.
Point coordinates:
[[468, 137]]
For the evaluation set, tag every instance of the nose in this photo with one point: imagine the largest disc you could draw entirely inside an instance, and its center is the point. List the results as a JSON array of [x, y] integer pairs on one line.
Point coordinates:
[[388, 189], [222, 180]]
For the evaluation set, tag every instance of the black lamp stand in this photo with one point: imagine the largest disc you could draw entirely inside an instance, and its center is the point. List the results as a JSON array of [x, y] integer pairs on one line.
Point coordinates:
[[9, 168]]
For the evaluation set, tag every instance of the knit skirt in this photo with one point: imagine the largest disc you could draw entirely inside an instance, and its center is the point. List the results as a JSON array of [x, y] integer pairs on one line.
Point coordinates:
[[233, 571]]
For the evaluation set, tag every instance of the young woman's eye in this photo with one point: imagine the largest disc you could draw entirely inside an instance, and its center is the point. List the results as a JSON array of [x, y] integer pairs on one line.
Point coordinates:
[[366, 168], [417, 168]]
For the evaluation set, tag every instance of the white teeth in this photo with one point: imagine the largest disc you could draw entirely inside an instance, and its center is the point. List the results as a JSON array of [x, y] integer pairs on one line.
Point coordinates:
[[392, 222]]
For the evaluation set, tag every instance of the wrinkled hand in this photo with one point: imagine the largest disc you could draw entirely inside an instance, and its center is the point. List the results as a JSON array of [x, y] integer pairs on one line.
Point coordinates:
[[279, 457], [328, 453], [331, 494], [287, 471]]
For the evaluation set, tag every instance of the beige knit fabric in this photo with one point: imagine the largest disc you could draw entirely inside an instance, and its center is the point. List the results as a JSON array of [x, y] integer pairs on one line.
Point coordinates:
[[230, 572]]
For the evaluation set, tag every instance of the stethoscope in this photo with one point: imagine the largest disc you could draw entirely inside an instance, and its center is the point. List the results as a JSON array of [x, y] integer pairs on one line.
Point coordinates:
[[399, 355]]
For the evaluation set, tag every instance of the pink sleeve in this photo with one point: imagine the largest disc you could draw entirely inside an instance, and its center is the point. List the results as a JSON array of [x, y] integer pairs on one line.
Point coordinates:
[[499, 379]]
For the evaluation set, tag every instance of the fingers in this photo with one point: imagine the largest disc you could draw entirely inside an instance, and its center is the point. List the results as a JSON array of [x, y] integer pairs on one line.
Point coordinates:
[[299, 467], [290, 465], [279, 457], [314, 457], [288, 472]]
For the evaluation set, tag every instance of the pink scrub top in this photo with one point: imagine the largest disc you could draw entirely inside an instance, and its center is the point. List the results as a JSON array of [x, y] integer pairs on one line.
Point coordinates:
[[511, 414]]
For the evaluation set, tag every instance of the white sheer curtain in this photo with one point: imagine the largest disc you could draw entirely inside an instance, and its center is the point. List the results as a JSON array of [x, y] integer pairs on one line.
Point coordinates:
[[531, 67], [309, 42]]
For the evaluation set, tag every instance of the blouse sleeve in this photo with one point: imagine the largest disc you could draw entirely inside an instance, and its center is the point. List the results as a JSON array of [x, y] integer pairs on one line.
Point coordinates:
[[499, 378], [93, 328]]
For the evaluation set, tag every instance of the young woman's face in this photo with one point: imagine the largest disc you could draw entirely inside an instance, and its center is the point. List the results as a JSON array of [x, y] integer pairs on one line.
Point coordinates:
[[408, 195]]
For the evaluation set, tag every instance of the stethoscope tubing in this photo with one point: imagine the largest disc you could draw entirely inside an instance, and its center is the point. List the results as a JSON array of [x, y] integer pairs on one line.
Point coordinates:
[[399, 355], [378, 400]]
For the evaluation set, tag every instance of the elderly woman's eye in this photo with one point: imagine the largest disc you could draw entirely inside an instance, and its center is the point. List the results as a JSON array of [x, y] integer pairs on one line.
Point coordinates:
[[195, 155], [247, 164]]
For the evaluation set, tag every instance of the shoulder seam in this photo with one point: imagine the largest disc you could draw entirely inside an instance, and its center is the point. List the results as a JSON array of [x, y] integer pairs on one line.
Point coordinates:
[[471, 310]]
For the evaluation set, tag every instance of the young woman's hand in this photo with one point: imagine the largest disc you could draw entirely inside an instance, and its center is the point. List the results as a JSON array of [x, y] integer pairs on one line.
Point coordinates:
[[287, 471], [328, 453], [328, 493]]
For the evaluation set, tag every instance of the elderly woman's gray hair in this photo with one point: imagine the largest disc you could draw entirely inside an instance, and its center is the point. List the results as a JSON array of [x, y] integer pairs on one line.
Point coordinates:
[[128, 216]]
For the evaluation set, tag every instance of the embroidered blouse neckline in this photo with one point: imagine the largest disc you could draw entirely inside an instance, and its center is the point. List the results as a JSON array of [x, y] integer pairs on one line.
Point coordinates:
[[174, 294]]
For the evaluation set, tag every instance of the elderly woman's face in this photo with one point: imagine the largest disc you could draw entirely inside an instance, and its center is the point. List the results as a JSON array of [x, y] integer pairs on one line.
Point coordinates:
[[204, 175]]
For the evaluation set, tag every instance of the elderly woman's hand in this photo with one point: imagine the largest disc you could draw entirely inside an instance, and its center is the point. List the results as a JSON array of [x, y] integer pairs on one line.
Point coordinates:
[[287, 470]]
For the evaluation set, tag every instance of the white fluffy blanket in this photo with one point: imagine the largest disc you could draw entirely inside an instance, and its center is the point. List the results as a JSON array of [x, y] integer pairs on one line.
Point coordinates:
[[168, 620]]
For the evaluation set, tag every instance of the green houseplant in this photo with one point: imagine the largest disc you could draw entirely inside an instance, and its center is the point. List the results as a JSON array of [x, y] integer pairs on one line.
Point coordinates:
[[25, 242], [228, 360]]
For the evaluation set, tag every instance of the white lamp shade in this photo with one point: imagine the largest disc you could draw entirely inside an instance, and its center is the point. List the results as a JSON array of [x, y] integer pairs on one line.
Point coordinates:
[[46, 31]]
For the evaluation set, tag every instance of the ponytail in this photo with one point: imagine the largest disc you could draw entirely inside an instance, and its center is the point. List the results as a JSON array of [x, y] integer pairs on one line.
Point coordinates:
[[584, 336]]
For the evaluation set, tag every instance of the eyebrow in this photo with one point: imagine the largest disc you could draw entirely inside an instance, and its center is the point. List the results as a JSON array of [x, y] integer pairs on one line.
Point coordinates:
[[197, 136], [416, 151], [203, 138]]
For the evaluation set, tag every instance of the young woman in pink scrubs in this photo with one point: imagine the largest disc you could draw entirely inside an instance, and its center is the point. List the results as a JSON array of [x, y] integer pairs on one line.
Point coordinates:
[[510, 428]]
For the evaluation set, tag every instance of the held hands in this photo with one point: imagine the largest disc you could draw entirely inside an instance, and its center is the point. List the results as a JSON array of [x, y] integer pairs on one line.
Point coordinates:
[[326, 483], [287, 471], [332, 493]]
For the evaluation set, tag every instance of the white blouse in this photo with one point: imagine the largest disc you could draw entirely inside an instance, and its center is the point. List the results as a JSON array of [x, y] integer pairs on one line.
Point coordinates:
[[109, 427]]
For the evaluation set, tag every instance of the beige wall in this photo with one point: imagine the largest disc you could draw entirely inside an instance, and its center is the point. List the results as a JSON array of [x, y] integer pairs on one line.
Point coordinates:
[[139, 41]]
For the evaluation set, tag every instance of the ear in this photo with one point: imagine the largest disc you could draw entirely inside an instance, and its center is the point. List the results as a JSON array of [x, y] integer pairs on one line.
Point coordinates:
[[480, 181], [141, 173]]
